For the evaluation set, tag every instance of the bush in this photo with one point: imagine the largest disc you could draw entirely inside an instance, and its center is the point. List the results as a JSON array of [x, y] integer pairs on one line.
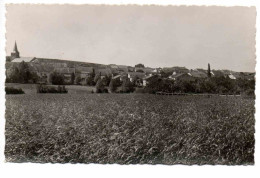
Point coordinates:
[[57, 79], [47, 89], [11, 90]]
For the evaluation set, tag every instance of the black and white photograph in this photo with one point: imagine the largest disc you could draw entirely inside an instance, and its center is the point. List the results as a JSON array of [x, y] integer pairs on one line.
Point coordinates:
[[130, 84]]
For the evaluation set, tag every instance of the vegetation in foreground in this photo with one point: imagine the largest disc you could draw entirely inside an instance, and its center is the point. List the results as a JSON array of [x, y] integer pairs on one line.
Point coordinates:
[[129, 129], [11, 90]]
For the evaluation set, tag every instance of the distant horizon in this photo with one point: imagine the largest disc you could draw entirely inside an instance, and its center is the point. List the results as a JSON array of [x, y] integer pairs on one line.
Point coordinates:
[[155, 36]]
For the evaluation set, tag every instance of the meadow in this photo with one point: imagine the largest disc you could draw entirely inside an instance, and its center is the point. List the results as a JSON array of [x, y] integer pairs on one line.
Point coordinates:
[[129, 129]]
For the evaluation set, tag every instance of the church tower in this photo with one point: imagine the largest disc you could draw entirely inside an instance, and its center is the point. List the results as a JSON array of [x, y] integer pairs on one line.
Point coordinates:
[[15, 53]]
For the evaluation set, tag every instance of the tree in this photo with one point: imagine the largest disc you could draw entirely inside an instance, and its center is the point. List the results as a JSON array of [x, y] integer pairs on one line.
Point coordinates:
[[112, 86], [100, 86], [107, 80], [34, 77], [97, 77], [57, 79], [24, 72], [154, 85], [139, 65], [127, 86], [209, 71], [72, 78], [139, 70], [165, 74], [90, 79], [14, 77], [78, 80]]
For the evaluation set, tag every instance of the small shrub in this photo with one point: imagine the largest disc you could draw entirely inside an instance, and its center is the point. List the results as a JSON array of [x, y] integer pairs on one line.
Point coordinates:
[[11, 90]]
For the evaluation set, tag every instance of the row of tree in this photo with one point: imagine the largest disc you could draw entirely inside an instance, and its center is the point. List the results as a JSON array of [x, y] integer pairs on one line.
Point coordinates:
[[214, 85]]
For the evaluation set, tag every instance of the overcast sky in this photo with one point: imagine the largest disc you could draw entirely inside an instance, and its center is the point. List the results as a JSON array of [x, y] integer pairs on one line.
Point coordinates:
[[156, 36]]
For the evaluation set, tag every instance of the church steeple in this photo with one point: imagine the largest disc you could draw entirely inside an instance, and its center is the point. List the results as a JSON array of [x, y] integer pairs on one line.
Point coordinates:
[[15, 48], [15, 53]]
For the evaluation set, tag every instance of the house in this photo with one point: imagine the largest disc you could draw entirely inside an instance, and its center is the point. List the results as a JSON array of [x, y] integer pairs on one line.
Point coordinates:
[[182, 77], [135, 75], [113, 66], [156, 71], [231, 76]]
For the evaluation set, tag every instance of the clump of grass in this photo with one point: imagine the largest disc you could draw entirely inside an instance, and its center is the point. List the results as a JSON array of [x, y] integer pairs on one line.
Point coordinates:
[[130, 129]]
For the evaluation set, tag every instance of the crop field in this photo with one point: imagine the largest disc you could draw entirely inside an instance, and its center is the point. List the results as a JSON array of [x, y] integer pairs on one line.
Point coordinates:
[[129, 129]]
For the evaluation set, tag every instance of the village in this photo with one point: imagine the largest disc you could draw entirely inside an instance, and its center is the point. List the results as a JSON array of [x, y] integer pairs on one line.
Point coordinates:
[[82, 73]]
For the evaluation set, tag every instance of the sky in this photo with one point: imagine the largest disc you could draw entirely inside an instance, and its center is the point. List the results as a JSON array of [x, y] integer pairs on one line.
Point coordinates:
[[157, 36]]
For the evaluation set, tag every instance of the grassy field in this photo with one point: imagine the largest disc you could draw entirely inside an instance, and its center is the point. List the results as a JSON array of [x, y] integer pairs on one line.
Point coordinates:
[[129, 129]]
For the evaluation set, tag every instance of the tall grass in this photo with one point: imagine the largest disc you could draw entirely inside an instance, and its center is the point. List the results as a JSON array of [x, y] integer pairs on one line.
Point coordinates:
[[130, 129]]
